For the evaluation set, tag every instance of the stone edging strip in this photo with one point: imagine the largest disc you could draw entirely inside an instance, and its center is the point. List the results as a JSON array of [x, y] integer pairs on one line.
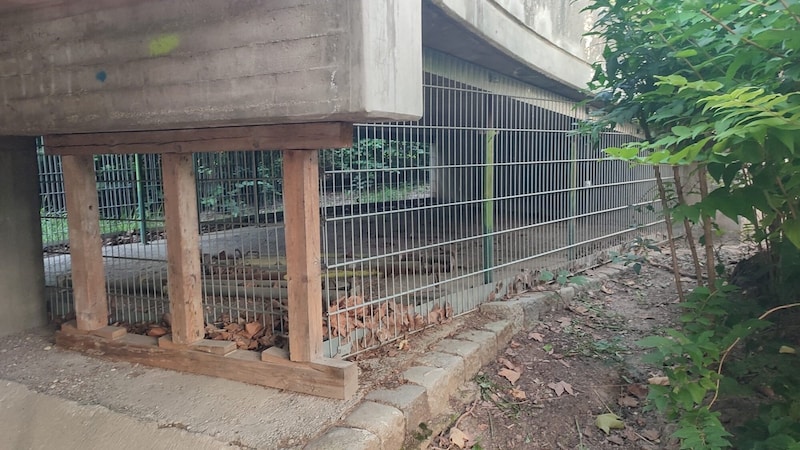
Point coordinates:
[[384, 419]]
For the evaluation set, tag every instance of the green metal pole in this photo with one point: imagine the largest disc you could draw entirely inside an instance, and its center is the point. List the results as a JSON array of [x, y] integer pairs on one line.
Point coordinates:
[[140, 200], [488, 208], [573, 197]]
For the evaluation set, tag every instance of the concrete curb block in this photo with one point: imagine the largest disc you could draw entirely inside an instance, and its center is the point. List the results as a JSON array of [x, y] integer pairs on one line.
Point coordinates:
[[388, 416]]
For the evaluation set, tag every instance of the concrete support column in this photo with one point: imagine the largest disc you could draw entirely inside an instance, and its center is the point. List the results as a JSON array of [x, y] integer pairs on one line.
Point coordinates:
[[22, 301]]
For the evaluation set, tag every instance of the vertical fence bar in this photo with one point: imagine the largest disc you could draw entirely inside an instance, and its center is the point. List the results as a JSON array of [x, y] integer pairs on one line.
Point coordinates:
[[573, 200], [140, 200]]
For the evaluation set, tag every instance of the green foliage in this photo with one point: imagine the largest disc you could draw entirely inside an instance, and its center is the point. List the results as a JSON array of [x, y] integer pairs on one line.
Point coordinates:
[[562, 277], [231, 186], [373, 162], [635, 253], [714, 84]]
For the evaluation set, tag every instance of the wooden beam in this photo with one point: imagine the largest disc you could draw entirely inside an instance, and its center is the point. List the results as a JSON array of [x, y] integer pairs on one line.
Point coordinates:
[[301, 218], [85, 245], [323, 377], [183, 248], [259, 137]]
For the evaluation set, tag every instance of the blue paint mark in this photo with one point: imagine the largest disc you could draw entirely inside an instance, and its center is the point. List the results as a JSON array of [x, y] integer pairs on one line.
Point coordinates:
[[101, 76]]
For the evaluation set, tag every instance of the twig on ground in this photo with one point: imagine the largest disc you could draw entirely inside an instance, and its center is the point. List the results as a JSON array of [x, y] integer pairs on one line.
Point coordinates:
[[467, 412]]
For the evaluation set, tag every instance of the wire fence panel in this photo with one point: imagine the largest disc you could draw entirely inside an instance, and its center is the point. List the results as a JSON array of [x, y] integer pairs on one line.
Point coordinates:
[[421, 221], [491, 186]]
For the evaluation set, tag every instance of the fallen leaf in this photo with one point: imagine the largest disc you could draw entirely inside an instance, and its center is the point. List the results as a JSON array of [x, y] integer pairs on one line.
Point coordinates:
[[402, 344], [510, 375], [638, 390], [787, 349], [606, 290], [458, 438], [509, 365], [561, 387], [564, 321], [536, 337], [609, 421], [627, 401], [252, 328], [630, 435], [651, 435], [767, 391], [658, 381], [579, 309], [514, 344], [616, 440], [518, 394], [564, 363], [156, 332]]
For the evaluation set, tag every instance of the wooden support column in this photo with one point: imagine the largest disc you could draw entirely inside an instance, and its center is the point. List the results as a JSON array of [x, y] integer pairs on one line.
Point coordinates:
[[301, 218], [183, 248], [85, 245]]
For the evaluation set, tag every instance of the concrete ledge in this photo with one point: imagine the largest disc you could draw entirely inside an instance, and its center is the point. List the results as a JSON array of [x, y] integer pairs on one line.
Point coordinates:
[[345, 439], [452, 364], [487, 344], [438, 384], [504, 330], [386, 422], [411, 399], [467, 350]]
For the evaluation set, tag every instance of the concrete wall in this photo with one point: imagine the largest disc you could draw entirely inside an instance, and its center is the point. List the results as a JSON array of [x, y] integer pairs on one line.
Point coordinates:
[[544, 35], [22, 304], [87, 66]]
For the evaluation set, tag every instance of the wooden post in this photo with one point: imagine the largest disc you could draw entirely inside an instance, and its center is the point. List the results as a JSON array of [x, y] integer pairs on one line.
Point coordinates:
[[183, 248], [301, 218], [85, 245]]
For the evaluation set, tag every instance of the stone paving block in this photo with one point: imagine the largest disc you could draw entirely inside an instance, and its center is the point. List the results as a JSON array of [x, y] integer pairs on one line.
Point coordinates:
[[487, 344], [469, 351], [504, 330], [508, 310], [567, 294], [411, 399], [450, 363], [384, 421], [439, 384], [339, 438]]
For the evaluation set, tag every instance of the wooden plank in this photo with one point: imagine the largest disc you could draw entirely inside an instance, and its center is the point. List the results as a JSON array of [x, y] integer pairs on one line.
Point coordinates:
[[203, 345], [259, 137], [86, 258], [301, 216], [323, 377], [183, 248], [110, 332]]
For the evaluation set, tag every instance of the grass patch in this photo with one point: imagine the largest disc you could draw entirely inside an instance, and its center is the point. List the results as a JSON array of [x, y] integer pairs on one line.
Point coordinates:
[[54, 229]]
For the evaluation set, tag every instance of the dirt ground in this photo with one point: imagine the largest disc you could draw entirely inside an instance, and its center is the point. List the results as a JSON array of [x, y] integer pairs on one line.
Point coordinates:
[[574, 366]]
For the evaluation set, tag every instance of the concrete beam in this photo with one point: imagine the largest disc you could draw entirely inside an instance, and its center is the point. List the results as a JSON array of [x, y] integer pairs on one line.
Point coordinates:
[[542, 41], [87, 66]]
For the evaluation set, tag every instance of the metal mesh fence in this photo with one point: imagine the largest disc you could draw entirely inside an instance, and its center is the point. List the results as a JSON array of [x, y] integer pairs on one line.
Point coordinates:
[[421, 221]]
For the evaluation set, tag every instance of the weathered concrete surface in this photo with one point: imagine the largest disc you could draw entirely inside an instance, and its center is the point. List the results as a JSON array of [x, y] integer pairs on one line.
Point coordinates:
[[537, 41], [21, 267], [33, 421], [89, 66]]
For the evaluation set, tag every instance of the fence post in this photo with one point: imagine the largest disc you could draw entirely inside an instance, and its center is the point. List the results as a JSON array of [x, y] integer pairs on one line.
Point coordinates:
[[140, 200], [488, 206]]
